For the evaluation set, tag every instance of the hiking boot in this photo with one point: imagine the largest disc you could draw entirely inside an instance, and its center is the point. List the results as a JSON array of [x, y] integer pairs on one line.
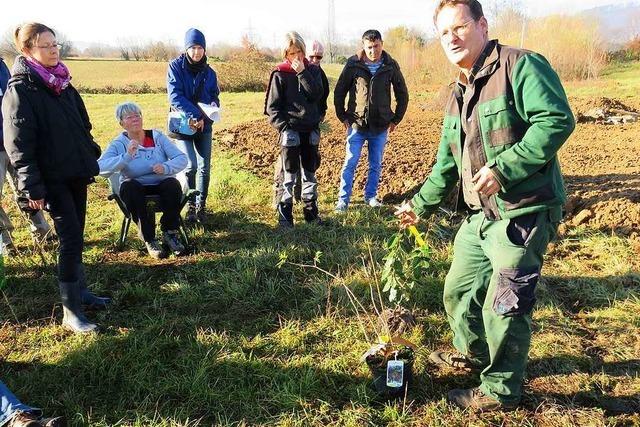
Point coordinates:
[[285, 215], [172, 239], [310, 211], [201, 214], [191, 217], [373, 203], [475, 399], [341, 207], [455, 360], [25, 419], [155, 250], [53, 422]]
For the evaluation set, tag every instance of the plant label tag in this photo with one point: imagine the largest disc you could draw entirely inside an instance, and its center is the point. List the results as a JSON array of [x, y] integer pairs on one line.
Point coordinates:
[[395, 373]]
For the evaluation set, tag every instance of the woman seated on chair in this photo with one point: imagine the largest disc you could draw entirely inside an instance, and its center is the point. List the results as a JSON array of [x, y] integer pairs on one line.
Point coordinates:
[[147, 161]]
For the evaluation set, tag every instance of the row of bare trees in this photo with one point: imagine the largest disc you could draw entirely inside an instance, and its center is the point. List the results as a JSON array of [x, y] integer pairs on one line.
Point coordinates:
[[133, 50], [572, 44], [150, 51], [8, 48], [127, 49]]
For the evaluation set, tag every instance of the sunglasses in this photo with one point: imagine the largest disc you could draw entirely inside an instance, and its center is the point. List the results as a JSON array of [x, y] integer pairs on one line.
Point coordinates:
[[318, 57]]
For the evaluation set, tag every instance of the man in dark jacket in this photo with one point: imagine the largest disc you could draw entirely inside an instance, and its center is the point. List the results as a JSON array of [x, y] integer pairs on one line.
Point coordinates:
[[506, 118], [367, 78]]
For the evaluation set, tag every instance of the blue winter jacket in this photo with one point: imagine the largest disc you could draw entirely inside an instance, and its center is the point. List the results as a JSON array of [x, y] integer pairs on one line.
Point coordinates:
[[140, 167], [182, 85], [4, 78]]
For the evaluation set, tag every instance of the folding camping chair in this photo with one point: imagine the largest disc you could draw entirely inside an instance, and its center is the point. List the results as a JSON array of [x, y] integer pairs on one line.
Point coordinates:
[[153, 205]]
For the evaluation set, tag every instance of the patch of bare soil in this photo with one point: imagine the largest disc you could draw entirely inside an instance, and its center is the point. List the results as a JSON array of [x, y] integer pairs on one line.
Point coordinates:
[[607, 111], [601, 164], [409, 154]]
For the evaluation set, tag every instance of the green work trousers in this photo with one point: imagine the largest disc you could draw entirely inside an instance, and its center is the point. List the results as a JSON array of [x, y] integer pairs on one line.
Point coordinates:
[[489, 294]]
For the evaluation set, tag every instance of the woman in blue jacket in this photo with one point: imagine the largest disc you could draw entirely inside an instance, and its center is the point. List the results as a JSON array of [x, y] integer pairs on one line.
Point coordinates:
[[190, 80]]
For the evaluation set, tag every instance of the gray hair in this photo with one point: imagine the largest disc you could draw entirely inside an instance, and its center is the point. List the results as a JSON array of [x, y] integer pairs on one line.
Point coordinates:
[[292, 38], [127, 108]]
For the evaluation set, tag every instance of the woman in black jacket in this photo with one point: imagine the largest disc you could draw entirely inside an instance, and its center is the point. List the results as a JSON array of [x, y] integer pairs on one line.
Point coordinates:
[[48, 140], [292, 104]]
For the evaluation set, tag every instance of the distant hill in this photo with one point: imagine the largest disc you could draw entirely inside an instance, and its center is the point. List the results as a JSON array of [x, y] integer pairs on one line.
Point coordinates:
[[619, 21]]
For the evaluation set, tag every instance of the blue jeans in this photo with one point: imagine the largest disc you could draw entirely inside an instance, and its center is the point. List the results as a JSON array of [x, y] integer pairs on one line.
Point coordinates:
[[10, 405], [198, 168], [375, 145]]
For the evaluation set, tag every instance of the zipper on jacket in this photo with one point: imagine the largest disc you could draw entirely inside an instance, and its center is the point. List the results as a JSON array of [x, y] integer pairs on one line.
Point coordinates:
[[371, 90], [491, 202]]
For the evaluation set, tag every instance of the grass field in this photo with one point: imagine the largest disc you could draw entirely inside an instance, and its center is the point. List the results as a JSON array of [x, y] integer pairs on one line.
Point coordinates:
[[112, 75], [226, 337]]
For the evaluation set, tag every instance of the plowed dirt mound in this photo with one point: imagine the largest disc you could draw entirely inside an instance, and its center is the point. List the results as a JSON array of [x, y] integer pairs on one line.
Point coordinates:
[[606, 111], [409, 154], [604, 103], [602, 171], [601, 163]]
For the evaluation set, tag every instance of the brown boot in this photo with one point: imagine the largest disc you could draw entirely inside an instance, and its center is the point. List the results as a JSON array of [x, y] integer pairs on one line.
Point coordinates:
[[54, 422], [25, 419], [455, 360], [475, 399]]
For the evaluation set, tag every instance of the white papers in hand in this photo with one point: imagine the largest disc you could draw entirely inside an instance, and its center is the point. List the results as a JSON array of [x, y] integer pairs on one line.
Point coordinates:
[[211, 111]]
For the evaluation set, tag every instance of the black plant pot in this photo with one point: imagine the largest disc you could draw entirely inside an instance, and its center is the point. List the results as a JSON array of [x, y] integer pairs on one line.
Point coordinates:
[[378, 368]]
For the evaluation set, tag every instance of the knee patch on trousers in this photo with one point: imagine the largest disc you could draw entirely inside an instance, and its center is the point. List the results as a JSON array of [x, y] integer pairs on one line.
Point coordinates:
[[515, 291]]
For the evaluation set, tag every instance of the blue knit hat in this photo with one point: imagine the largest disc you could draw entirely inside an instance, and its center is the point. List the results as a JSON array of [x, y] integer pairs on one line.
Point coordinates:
[[193, 37]]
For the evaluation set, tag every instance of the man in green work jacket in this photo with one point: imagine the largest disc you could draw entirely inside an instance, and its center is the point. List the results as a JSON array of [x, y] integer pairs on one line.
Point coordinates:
[[505, 120]]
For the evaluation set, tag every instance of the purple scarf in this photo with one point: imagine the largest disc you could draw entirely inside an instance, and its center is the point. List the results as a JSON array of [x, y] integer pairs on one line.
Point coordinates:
[[56, 78]]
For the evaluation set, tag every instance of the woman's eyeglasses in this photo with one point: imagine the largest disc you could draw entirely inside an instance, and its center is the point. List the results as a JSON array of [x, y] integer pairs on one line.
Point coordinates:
[[50, 46]]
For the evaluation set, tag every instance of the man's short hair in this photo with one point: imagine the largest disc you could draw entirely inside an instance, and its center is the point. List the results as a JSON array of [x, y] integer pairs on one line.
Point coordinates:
[[474, 7], [372, 35]]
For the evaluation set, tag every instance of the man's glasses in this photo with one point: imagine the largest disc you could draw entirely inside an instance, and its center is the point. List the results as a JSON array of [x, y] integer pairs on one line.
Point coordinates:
[[458, 30], [50, 46], [317, 57]]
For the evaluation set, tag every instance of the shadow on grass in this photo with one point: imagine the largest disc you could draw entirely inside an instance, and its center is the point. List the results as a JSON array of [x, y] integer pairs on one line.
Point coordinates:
[[599, 394], [150, 378], [198, 338], [191, 338], [578, 293]]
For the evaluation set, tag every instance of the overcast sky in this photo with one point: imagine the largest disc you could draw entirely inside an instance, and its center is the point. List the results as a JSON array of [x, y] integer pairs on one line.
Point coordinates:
[[109, 21]]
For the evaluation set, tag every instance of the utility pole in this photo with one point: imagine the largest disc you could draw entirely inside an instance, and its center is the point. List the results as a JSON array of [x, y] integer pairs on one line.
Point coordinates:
[[524, 30], [331, 29]]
